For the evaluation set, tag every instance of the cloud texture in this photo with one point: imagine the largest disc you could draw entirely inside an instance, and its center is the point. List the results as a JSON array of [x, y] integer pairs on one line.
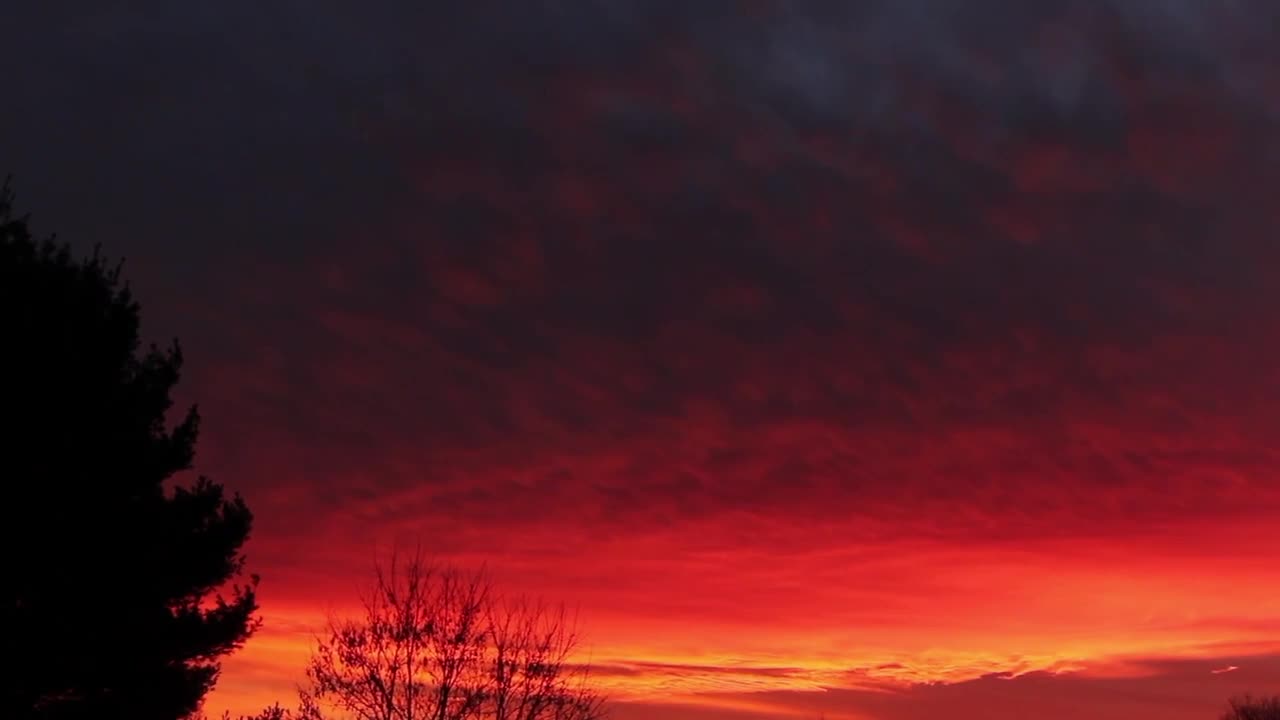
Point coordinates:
[[848, 344]]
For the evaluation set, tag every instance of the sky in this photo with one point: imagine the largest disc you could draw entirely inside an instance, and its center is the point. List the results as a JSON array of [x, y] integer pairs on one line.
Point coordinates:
[[872, 360]]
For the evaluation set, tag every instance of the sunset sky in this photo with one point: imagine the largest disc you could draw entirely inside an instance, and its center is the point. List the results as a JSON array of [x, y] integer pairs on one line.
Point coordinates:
[[877, 360]]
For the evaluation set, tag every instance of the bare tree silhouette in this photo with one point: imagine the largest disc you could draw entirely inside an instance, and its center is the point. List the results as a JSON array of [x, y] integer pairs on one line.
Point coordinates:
[[1248, 707], [439, 644], [274, 712], [110, 604]]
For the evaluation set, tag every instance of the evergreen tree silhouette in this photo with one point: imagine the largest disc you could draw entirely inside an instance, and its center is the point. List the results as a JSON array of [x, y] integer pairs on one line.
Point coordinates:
[[110, 603]]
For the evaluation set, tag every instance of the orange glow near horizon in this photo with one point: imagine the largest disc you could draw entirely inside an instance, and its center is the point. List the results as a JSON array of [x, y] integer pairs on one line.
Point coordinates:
[[720, 638]]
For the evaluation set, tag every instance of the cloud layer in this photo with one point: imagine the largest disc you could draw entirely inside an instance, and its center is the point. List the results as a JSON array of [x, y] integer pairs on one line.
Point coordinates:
[[845, 343]]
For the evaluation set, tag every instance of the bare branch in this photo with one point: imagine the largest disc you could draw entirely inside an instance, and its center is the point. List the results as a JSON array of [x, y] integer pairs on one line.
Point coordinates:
[[439, 644], [1247, 707]]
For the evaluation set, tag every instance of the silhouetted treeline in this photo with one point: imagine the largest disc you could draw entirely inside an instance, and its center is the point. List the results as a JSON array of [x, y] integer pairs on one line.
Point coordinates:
[[109, 605], [1248, 707], [436, 643]]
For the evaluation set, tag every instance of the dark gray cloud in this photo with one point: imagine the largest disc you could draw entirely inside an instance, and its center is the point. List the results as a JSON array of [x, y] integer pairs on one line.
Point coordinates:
[[657, 247]]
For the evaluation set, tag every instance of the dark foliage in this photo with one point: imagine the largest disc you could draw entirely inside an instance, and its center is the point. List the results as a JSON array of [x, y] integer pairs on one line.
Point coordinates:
[[1248, 707], [109, 604], [275, 712]]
